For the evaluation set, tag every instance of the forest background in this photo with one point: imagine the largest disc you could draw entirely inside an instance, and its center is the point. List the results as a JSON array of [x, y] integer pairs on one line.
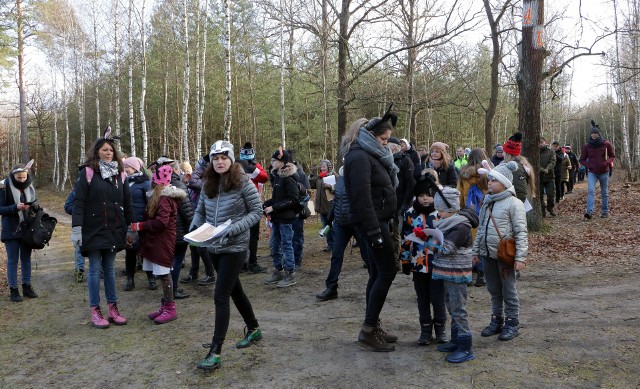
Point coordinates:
[[172, 76]]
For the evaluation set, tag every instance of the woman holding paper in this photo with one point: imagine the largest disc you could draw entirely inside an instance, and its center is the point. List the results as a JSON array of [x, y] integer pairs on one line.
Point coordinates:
[[228, 195], [324, 196], [158, 238]]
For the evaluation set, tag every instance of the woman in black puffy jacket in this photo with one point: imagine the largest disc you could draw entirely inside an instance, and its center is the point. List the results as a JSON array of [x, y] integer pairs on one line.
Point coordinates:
[[370, 178]]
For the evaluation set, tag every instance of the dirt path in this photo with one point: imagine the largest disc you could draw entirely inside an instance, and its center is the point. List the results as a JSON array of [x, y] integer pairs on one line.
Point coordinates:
[[580, 323]]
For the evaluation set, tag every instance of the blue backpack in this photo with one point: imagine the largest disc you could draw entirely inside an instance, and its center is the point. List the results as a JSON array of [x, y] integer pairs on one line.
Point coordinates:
[[475, 197]]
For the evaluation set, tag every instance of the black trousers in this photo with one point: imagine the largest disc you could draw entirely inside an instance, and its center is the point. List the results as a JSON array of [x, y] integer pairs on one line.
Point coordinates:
[[430, 293], [228, 286]]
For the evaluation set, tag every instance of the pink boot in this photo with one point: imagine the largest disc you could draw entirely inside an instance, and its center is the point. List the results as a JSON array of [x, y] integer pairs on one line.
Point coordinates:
[[157, 313], [97, 319], [115, 316], [168, 313]]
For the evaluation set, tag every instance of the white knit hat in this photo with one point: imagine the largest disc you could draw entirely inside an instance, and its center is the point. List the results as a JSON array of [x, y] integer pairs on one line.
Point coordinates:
[[501, 172]]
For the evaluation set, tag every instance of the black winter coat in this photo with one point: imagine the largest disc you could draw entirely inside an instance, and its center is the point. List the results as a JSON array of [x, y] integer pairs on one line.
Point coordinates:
[[415, 159], [103, 209], [185, 210], [448, 177], [139, 185], [339, 211], [284, 198], [372, 197], [406, 181]]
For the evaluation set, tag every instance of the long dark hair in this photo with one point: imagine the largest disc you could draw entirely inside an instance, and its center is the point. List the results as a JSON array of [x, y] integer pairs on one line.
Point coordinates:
[[230, 180], [93, 159]]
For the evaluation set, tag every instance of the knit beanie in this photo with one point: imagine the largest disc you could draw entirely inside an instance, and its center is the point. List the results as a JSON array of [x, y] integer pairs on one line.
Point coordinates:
[[502, 172], [595, 129], [162, 176], [453, 197], [222, 147], [407, 143], [281, 155], [134, 163], [186, 167], [443, 147], [393, 140], [499, 149], [513, 145], [247, 153]]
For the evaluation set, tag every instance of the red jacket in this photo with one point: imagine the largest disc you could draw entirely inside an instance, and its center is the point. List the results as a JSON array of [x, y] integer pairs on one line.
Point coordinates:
[[593, 157], [158, 233]]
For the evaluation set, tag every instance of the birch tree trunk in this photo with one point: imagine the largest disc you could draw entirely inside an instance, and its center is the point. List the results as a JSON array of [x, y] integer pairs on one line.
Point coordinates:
[[203, 85], [166, 108], [79, 79], [636, 80], [185, 90], [324, 52], [116, 49], [623, 97], [282, 64], [24, 135], [56, 149], [198, 95], [227, 70], [143, 92], [132, 130], [96, 67]]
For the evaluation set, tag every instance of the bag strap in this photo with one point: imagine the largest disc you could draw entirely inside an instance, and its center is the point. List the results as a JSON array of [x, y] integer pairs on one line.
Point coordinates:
[[494, 222]]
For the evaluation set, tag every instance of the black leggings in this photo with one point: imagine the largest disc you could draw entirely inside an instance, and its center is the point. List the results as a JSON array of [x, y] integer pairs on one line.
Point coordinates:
[[228, 284], [382, 271], [430, 292]]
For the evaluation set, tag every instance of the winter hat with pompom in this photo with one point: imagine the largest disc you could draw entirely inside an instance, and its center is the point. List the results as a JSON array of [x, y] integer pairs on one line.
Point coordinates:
[[247, 152], [502, 172]]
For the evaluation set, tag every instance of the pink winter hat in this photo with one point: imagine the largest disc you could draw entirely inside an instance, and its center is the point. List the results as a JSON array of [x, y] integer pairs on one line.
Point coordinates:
[[162, 176], [134, 163]]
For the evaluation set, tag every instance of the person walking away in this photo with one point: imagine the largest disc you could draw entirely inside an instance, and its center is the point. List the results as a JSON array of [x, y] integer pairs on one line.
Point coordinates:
[[575, 165], [323, 199], [473, 187], [228, 195], [17, 196], [502, 215], [370, 180], [417, 259], [158, 238], [597, 156], [547, 177], [139, 184], [282, 209], [258, 176], [344, 230], [102, 211], [452, 264]]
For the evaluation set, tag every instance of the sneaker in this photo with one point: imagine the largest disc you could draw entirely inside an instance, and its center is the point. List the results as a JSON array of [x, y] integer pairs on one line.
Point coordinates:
[[277, 276], [207, 280], [78, 275], [587, 216], [254, 268], [250, 337], [604, 215], [288, 280], [180, 294], [188, 279]]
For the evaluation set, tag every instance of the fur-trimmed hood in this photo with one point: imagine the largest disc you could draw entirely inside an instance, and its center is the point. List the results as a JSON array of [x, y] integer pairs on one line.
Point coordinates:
[[469, 171], [286, 171], [170, 191]]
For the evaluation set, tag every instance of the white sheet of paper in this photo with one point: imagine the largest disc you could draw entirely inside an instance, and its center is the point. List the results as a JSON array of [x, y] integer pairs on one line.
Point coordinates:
[[204, 235], [329, 180], [435, 233], [527, 205], [413, 238]]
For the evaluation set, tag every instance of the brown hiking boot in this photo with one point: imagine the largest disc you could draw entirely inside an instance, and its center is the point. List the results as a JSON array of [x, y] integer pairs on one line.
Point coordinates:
[[369, 337]]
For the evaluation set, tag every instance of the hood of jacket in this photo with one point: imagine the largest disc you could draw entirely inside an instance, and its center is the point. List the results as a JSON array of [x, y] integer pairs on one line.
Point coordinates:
[[173, 192], [287, 170], [470, 214]]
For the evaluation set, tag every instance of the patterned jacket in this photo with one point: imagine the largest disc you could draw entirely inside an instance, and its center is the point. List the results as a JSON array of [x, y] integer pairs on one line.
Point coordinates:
[[418, 254]]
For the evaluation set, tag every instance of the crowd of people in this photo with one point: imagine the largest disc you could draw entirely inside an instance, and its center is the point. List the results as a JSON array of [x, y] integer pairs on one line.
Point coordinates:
[[420, 211]]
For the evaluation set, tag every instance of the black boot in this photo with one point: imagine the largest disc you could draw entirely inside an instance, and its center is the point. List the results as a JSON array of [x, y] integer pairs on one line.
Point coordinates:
[[426, 329], [328, 294], [212, 360], [494, 328], [152, 281], [510, 329], [15, 295], [27, 291], [371, 338], [130, 285], [480, 280], [441, 331]]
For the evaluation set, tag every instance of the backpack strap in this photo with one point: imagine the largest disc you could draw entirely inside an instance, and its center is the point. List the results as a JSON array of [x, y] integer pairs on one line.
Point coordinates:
[[89, 172]]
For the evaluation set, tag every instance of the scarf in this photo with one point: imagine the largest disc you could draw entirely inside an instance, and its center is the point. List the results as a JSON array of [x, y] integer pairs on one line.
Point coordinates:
[[450, 222], [492, 198], [368, 142], [18, 188], [324, 174], [595, 142], [108, 169]]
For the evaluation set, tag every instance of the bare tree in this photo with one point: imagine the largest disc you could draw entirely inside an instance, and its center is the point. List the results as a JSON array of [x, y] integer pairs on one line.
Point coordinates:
[[143, 80], [227, 70], [185, 89], [132, 130]]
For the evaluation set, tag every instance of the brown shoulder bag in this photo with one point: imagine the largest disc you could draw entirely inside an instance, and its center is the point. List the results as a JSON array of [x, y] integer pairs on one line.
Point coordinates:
[[507, 247]]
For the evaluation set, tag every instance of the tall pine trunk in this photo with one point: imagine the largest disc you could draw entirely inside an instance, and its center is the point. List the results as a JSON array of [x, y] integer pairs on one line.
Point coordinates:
[[185, 90], [132, 130], [143, 92], [227, 70]]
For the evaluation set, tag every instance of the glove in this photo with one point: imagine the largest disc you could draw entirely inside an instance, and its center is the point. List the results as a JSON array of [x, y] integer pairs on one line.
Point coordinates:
[[406, 268], [419, 233], [136, 227], [132, 238], [76, 235], [376, 241]]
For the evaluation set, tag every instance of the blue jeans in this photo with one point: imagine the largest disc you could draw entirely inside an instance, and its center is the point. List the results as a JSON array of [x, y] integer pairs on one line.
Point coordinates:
[[16, 250], [592, 179], [178, 259], [298, 239], [281, 246], [104, 260], [342, 236], [324, 222], [79, 258]]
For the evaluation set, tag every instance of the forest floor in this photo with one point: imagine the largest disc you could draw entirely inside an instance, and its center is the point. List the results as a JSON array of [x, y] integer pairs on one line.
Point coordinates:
[[580, 321]]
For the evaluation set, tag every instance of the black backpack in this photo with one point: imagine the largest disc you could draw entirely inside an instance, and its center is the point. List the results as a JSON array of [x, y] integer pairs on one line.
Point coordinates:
[[38, 228], [303, 198]]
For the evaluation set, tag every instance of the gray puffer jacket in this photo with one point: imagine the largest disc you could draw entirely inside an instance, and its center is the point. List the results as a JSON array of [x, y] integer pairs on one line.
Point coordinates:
[[511, 219], [242, 206]]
